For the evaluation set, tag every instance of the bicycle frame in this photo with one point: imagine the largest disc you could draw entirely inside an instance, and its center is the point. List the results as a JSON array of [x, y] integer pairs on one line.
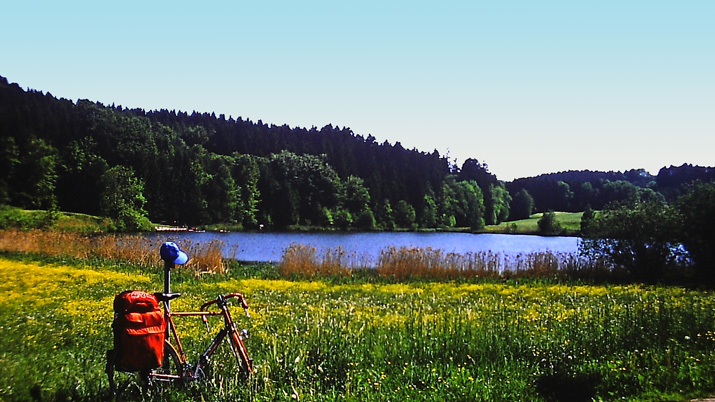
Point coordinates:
[[235, 338]]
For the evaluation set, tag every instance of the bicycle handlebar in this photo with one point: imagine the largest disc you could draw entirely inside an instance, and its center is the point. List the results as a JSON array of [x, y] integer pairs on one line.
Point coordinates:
[[244, 304]]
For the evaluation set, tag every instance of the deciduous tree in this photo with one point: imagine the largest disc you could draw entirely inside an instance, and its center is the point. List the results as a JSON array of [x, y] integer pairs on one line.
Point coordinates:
[[548, 225], [522, 205], [123, 199], [404, 214], [35, 176]]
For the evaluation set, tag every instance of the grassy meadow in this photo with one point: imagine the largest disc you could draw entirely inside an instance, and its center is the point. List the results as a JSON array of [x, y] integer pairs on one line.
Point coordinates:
[[569, 221], [12, 217], [342, 337]]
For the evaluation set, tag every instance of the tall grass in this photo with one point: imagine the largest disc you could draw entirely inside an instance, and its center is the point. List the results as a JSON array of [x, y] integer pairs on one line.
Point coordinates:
[[205, 257], [404, 263], [570, 222], [319, 341], [305, 261]]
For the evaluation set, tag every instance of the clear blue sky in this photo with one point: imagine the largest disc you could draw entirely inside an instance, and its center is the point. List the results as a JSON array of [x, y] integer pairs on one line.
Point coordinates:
[[528, 87]]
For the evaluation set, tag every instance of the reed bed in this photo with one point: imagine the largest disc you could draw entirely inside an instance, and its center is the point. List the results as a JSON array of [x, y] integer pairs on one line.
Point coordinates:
[[427, 263], [305, 261], [134, 249], [405, 263]]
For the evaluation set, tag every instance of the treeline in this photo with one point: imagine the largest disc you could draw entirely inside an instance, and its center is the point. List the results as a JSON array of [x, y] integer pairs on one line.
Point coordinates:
[[574, 191], [198, 169]]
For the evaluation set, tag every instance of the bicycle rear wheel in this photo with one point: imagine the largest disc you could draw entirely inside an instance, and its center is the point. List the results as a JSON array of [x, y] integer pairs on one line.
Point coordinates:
[[171, 369], [245, 363]]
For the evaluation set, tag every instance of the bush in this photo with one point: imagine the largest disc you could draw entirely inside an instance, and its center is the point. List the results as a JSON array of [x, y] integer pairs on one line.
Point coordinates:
[[365, 220], [548, 225], [343, 219], [405, 215], [638, 238], [697, 213], [587, 219]]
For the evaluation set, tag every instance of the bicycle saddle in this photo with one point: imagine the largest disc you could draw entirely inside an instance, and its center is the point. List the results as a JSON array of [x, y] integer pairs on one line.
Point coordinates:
[[162, 297]]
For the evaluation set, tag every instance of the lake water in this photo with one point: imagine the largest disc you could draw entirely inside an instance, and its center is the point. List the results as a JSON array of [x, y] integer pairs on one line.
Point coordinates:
[[268, 247]]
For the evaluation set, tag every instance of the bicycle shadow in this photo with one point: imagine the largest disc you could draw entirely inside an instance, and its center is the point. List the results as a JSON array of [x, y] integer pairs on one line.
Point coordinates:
[[558, 387]]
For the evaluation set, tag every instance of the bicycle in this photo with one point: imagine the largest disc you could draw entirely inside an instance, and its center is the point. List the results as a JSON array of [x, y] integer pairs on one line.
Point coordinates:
[[175, 367]]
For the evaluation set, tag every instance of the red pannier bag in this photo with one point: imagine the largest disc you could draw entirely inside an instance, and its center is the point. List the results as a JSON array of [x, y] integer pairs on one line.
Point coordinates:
[[139, 331]]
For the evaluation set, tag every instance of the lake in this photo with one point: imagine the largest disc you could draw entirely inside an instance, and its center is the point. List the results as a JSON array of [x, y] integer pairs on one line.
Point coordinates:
[[268, 247]]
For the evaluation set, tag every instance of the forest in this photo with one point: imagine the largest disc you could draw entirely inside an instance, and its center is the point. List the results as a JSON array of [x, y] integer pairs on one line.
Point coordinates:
[[173, 167]]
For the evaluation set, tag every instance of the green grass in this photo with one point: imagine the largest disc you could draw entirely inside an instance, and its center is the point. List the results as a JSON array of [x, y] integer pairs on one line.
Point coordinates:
[[569, 221], [13, 217], [367, 340], [82, 223]]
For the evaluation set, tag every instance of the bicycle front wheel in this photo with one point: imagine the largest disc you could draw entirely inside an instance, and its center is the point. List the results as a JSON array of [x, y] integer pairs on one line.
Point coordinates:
[[245, 363], [171, 369]]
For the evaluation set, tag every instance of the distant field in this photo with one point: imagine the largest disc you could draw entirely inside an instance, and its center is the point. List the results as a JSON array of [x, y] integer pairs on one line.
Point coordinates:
[[83, 223], [570, 221]]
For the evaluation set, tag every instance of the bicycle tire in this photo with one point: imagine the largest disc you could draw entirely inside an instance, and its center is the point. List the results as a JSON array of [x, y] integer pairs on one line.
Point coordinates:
[[171, 369], [245, 363]]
